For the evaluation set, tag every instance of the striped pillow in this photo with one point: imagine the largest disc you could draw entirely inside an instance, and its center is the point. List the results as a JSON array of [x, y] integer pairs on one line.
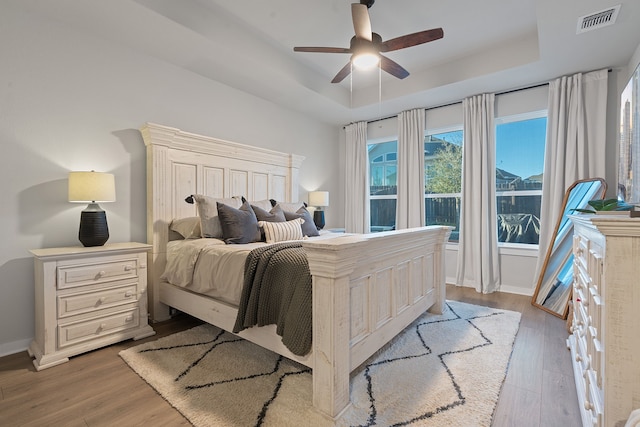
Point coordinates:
[[281, 231]]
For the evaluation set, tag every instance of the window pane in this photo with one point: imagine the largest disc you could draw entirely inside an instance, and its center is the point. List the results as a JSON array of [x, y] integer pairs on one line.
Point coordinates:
[[519, 173], [444, 211], [443, 162], [443, 179], [519, 219], [383, 214], [520, 154], [383, 176]]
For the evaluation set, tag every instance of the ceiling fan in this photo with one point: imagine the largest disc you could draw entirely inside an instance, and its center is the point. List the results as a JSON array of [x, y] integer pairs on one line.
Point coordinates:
[[367, 45]]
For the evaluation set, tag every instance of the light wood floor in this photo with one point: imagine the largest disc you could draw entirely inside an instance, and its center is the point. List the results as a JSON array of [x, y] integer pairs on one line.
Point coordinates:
[[99, 389]]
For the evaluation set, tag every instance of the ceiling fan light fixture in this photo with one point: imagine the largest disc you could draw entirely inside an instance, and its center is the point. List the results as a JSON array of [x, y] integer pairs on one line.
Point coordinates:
[[365, 61]]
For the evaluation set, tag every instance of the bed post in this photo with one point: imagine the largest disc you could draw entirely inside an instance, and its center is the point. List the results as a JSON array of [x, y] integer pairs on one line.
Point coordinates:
[[158, 211], [331, 267], [440, 285]]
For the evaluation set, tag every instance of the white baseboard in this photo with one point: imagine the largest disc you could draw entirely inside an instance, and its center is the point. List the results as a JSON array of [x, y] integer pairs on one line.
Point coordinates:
[[503, 288]]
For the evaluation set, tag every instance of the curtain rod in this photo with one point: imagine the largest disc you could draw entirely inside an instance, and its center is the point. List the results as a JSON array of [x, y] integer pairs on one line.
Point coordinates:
[[458, 102], [533, 86]]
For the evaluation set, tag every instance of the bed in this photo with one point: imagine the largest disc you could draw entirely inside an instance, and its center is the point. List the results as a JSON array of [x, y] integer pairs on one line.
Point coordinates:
[[366, 288]]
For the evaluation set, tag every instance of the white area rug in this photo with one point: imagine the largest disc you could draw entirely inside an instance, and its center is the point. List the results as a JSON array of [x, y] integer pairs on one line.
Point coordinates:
[[443, 370]]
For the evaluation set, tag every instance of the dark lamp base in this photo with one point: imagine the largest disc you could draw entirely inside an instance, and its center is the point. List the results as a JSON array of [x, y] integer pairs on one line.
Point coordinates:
[[93, 228], [318, 219]]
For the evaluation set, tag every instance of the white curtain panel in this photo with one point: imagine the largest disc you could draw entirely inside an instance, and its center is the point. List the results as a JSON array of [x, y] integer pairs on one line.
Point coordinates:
[[410, 170], [478, 264], [357, 175], [576, 143]]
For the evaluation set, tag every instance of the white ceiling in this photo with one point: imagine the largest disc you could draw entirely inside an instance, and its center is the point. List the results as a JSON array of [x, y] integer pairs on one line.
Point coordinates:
[[488, 46]]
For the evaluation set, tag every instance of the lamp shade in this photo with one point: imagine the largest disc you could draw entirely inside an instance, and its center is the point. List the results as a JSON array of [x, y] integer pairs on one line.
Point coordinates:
[[87, 187], [319, 198]]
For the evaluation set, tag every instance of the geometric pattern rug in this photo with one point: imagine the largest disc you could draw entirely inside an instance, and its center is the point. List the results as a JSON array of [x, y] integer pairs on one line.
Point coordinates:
[[442, 370]]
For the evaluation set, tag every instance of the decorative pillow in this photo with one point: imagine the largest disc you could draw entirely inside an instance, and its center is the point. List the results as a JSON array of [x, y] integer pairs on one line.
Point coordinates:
[[262, 204], [288, 207], [208, 212], [238, 225], [308, 227], [274, 215], [188, 228], [281, 231]]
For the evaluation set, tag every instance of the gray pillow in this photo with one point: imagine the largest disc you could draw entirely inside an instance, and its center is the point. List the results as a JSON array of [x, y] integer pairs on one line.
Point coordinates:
[[276, 214], [238, 225], [308, 227]]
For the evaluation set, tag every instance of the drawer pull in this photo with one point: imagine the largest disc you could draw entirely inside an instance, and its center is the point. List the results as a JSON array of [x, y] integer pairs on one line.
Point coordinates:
[[578, 358], [128, 319], [128, 294], [101, 300], [100, 274], [102, 326], [129, 267], [587, 405]]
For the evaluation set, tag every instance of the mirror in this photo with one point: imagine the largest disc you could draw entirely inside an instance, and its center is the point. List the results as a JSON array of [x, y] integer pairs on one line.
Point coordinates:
[[554, 283]]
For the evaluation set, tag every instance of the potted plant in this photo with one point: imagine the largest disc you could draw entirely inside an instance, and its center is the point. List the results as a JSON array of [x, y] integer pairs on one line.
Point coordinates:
[[606, 206]]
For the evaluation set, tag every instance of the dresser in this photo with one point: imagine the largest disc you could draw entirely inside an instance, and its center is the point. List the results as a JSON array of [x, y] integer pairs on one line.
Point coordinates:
[[605, 332], [86, 298]]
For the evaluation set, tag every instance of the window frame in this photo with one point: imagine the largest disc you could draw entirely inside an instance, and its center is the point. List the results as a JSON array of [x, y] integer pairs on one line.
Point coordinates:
[[537, 114], [436, 131], [383, 164]]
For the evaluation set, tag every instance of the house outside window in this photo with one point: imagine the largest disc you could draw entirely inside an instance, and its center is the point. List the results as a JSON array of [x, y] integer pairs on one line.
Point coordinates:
[[520, 145], [383, 184], [443, 179]]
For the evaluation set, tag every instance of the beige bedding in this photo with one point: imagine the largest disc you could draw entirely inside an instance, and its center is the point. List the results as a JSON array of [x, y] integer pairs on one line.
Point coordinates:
[[211, 267]]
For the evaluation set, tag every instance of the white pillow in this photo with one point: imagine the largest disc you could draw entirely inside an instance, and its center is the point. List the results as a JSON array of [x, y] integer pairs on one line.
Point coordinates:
[[282, 231], [208, 212]]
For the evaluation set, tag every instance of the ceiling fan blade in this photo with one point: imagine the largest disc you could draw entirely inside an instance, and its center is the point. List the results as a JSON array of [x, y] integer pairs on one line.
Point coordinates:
[[361, 21], [393, 67], [346, 70], [322, 49], [412, 40]]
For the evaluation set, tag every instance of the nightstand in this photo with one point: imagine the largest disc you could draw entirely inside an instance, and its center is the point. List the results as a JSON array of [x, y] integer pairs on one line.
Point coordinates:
[[86, 298]]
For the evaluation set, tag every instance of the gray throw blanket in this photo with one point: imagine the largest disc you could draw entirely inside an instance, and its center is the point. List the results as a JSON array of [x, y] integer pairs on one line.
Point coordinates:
[[277, 290]]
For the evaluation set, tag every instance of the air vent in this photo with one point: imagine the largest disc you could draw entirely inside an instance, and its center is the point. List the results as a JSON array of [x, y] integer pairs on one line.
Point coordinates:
[[597, 20]]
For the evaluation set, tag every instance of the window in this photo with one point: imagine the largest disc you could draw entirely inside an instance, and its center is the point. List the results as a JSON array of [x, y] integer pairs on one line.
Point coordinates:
[[443, 179], [383, 188], [520, 144]]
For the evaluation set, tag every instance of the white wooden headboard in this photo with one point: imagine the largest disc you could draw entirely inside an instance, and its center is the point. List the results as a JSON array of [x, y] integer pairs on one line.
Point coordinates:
[[180, 163]]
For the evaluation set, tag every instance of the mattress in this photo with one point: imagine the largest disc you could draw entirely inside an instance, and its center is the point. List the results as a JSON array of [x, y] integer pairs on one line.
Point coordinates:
[[210, 267]]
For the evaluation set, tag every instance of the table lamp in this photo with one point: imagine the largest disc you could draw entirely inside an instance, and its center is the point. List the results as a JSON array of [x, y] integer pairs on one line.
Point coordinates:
[[92, 187], [318, 199]]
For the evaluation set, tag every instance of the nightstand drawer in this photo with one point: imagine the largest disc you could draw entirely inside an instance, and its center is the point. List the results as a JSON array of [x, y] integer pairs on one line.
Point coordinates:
[[78, 303], [86, 330], [82, 275]]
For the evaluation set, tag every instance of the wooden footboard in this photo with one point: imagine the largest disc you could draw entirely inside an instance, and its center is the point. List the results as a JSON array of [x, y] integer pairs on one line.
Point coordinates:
[[366, 290]]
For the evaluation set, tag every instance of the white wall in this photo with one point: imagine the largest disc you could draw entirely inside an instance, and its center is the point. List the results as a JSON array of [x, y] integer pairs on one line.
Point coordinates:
[[70, 101]]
